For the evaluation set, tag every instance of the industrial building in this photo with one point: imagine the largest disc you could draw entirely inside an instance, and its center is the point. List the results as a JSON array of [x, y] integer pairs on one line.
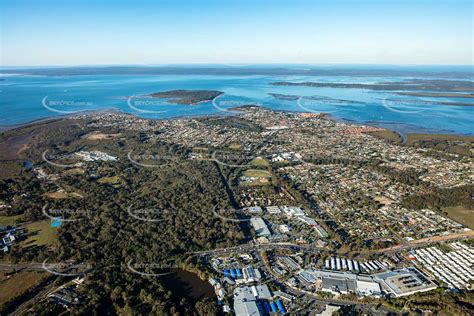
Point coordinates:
[[396, 283], [248, 300], [260, 227], [403, 282], [245, 303]]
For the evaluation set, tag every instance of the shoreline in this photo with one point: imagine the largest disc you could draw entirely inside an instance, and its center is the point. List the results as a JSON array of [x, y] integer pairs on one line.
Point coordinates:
[[404, 136]]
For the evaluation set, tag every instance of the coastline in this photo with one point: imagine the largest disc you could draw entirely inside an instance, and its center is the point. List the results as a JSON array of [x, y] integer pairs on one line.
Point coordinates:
[[411, 129]]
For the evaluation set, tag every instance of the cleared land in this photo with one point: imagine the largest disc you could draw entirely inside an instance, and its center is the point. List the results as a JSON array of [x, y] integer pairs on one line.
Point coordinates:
[[100, 136], [114, 180], [9, 220], [260, 162], [262, 177], [461, 214], [387, 135], [62, 195], [17, 284], [40, 234], [411, 138]]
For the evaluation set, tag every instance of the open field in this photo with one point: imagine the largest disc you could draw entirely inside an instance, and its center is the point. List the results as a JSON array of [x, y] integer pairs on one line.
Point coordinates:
[[74, 171], [100, 136], [10, 169], [17, 284], [235, 146], [411, 138], [9, 220], [387, 135], [461, 215], [262, 177], [40, 234], [114, 180], [260, 162], [62, 195]]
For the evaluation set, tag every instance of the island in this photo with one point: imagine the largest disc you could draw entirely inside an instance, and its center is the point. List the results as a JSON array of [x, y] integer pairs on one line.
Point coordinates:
[[408, 85], [190, 97], [291, 97]]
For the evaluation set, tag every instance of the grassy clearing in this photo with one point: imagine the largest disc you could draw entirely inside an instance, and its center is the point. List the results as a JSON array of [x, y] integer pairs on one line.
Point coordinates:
[[235, 146], [114, 180], [438, 137], [17, 284], [257, 173], [260, 162], [388, 135], [262, 177], [62, 195], [100, 136], [461, 214], [56, 195], [10, 220], [74, 171], [40, 234], [10, 169]]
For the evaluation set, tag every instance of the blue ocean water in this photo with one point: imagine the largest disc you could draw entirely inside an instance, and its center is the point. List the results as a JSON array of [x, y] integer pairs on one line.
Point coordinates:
[[24, 98]]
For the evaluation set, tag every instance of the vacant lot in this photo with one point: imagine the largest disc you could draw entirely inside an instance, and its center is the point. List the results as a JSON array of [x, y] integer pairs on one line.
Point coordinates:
[[262, 177], [113, 181], [40, 234], [461, 214], [235, 146], [260, 162], [387, 135], [58, 195], [17, 284], [9, 220], [100, 136]]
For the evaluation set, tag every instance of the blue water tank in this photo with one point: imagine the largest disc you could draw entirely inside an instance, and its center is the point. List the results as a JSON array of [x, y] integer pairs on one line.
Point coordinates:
[[280, 306], [226, 272], [239, 273], [273, 306], [232, 273]]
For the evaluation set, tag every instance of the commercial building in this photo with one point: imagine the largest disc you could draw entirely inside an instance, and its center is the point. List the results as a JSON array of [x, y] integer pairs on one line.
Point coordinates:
[[260, 227], [273, 210], [245, 303], [395, 283]]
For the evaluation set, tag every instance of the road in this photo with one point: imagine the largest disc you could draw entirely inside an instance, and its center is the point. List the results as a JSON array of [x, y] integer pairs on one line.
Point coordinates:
[[426, 241]]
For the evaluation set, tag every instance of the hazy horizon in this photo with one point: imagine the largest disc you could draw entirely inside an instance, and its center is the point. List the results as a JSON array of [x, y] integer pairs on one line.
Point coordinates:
[[97, 33]]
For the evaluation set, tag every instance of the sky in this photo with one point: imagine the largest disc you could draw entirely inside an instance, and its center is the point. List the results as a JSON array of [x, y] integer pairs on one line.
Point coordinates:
[[84, 32]]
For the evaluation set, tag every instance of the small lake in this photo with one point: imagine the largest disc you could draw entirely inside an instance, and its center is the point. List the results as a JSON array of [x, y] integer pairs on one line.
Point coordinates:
[[187, 284]]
